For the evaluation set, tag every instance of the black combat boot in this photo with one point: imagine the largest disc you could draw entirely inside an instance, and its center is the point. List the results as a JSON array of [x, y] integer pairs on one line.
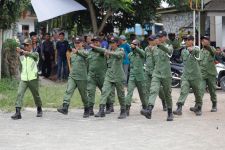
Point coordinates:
[[179, 110], [91, 111], [123, 113], [164, 105], [198, 111], [170, 114], [109, 108], [63, 109], [39, 111], [128, 110], [193, 108], [144, 107], [214, 107], [86, 112], [17, 115], [101, 112], [148, 112]]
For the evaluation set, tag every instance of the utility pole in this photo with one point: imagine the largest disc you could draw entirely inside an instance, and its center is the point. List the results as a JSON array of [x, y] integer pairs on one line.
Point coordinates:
[[195, 7], [1, 43]]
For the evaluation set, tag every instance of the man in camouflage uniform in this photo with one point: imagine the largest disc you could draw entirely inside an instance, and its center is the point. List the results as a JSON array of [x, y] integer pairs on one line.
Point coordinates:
[[114, 78], [149, 70], [97, 67], [77, 78], [191, 77], [208, 70], [161, 75], [136, 57]]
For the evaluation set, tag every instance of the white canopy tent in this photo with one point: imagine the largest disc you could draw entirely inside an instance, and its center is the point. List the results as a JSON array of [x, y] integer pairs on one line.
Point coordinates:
[[48, 9]]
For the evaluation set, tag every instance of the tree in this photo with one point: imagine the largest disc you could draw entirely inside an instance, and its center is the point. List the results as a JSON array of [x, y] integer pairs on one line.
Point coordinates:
[[10, 11], [117, 13]]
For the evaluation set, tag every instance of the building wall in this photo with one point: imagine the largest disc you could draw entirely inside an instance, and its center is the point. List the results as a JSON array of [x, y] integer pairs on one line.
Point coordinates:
[[27, 21], [173, 22]]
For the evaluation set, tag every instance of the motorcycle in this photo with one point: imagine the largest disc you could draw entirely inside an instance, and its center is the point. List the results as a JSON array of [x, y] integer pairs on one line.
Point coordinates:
[[176, 70]]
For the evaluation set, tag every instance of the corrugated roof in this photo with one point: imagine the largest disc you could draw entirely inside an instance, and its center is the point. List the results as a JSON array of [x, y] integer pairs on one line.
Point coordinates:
[[215, 5]]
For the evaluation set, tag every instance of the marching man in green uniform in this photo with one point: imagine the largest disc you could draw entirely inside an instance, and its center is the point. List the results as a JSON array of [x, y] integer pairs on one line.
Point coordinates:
[[77, 78], [161, 75], [136, 79], [29, 78], [191, 77], [208, 70], [97, 67], [149, 70], [114, 78]]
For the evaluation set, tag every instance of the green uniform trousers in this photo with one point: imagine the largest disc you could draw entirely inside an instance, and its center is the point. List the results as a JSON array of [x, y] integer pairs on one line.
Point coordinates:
[[210, 81], [155, 88], [141, 90], [148, 78], [108, 87], [71, 86], [33, 86], [185, 88], [94, 82]]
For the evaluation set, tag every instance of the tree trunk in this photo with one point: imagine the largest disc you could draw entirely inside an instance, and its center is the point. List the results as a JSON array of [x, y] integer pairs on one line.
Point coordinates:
[[1, 42], [108, 14], [93, 16]]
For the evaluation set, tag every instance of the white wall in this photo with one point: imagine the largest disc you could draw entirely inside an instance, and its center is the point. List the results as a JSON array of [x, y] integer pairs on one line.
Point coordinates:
[[218, 26], [223, 32], [27, 21]]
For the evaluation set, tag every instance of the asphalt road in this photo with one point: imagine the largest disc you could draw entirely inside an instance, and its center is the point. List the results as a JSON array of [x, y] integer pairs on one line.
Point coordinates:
[[71, 132]]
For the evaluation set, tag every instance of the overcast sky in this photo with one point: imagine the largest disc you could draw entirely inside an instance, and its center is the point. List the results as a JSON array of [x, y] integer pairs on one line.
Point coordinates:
[[164, 4]]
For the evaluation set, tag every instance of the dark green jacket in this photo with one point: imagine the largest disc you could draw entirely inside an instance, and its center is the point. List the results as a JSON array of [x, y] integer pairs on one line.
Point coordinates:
[[97, 64], [191, 69], [161, 59], [149, 60], [79, 65], [137, 58], [115, 71], [207, 66]]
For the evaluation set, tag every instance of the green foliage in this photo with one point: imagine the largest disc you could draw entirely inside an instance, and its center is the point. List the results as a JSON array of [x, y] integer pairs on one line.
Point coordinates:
[[10, 11], [10, 44]]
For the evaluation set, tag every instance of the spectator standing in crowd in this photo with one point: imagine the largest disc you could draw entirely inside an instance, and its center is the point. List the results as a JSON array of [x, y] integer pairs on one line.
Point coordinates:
[[104, 42], [127, 50], [62, 46], [47, 50], [144, 42], [219, 56], [36, 47], [176, 47], [87, 40]]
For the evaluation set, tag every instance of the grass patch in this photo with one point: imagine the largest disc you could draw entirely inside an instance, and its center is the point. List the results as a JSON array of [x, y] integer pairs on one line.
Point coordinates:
[[51, 95]]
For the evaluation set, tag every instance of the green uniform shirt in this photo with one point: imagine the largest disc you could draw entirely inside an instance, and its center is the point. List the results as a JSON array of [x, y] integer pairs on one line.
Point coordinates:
[[161, 59], [149, 60], [115, 71], [137, 58], [206, 62], [79, 65], [97, 64], [191, 69]]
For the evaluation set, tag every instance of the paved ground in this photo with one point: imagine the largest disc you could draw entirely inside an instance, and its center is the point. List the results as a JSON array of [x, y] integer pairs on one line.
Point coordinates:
[[58, 132]]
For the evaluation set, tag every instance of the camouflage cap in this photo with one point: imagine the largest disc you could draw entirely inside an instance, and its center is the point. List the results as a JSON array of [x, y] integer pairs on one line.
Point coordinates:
[[27, 41]]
